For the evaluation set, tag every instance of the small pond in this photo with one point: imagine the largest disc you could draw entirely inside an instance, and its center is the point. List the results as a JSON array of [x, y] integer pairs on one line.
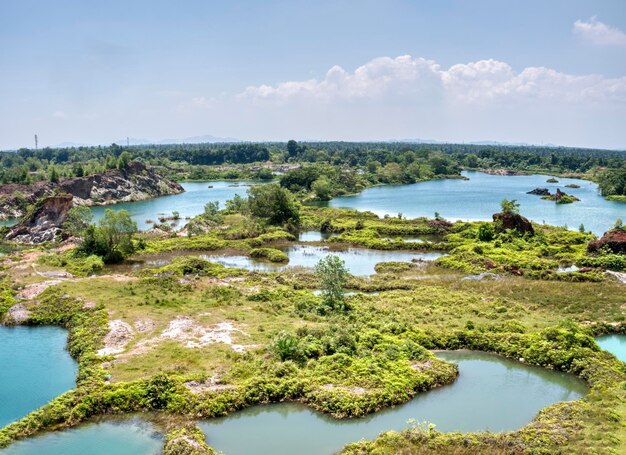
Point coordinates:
[[35, 367], [615, 344], [359, 261], [315, 236], [132, 437], [491, 393]]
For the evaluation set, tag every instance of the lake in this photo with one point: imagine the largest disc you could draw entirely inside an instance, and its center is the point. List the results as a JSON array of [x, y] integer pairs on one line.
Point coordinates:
[[130, 437], [479, 197], [615, 344], [35, 367], [491, 393], [187, 204]]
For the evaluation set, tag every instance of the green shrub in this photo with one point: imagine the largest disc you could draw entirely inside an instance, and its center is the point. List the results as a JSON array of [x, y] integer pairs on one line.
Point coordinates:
[[393, 267], [271, 254]]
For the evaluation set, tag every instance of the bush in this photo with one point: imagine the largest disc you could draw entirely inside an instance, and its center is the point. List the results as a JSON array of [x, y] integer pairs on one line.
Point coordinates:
[[273, 203], [393, 267], [271, 254]]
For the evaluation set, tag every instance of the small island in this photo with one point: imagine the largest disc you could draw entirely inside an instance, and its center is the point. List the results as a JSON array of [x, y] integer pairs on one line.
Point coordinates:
[[552, 180], [559, 197]]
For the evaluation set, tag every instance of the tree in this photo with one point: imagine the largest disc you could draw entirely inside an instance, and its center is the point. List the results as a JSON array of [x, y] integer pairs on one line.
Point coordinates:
[[333, 275], [77, 170], [322, 188], [53, 175], [123, 160], [78, 219], [511, 207], [292, 148], [112, 239], [273, 203]]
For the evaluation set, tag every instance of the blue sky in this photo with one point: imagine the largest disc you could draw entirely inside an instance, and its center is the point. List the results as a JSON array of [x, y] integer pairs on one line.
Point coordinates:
[[519, 71]]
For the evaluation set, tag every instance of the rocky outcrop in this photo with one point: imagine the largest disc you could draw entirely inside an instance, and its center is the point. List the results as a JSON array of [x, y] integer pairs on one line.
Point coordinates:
[[540, 192], [135, 183], [44, 221], [614, 240], [503, 172], [505, 221], [561, 198]]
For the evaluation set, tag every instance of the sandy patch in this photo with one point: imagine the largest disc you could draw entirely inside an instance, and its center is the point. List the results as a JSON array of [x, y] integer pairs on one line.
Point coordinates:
[[193, 335], [116, 277], [353, 390], [208, 385], [422, 366], [120, 334], [33, 290], [144, 325]]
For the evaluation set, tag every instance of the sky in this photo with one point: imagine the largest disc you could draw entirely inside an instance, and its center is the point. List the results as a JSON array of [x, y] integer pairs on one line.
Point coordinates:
[[94, 72]]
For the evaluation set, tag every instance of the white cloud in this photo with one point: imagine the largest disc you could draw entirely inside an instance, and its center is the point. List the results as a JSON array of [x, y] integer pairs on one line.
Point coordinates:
[[59, 115], [379, 77], [419, 81], [599, 33]]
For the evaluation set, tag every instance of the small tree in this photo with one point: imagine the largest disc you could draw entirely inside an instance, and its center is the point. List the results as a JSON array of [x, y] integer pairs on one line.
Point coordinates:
[[212, 211], [78, 219], [112, 239], [123, 160], [333, 275], [619, 224], [322, 188], [510, 207], [53, 175], [273, 203]]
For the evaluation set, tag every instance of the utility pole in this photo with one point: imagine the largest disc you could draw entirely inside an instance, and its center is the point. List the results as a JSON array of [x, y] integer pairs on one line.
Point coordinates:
[[36, 142], [127, 141]]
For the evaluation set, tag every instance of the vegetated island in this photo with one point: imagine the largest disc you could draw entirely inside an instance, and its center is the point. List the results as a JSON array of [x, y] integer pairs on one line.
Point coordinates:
[[559, 196]]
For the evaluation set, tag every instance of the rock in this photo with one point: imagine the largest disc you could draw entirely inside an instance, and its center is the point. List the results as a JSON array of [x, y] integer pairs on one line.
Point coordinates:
[[44, 222], [561, 198], [507, 221], [614, 240], [540, 192], [503, 172], [17, 314], [135, 183], [120, 334], [619, 276], [482, 276]]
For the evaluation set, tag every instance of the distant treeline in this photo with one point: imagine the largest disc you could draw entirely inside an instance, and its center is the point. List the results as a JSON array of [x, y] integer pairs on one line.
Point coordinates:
[[28, 165]]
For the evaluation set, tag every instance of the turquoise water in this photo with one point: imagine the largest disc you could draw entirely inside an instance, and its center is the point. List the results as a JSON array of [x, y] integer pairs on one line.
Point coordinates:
[[133, 437], [188, 204], [615, 344], [35, 367], [479, 197], [491, 393]]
